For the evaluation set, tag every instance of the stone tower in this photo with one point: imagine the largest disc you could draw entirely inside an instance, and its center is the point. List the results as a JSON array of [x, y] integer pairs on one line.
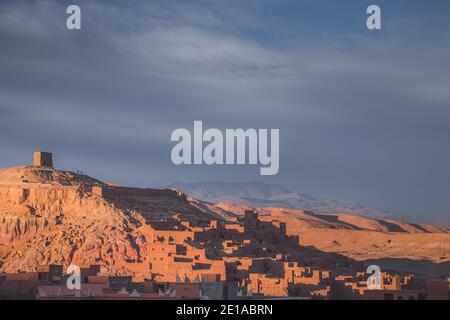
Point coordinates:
[[43, 159]]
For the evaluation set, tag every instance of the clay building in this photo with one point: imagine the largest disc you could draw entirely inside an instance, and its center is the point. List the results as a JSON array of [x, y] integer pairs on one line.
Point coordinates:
[[43, 159]]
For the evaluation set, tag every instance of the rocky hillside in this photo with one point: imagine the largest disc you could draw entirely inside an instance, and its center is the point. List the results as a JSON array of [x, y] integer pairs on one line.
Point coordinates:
[[358, 237], [46, 217], [257, 194], [52, 216]]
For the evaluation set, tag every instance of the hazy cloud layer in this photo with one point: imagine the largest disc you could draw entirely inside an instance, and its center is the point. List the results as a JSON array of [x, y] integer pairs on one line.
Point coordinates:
[[362, 115]]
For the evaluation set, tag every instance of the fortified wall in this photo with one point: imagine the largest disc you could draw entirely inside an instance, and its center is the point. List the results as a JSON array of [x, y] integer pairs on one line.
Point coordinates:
[[112, 192]]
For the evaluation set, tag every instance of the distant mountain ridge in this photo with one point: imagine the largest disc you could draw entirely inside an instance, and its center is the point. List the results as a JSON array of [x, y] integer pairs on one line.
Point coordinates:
[[258, 194], [261, 195], [50, 216]]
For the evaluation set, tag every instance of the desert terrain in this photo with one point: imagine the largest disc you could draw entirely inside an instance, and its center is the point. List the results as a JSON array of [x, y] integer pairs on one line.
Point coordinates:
[[50, 216]]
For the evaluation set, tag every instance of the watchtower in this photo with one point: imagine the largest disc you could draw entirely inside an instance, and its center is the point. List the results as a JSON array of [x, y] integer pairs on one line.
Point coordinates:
[[43, 159]]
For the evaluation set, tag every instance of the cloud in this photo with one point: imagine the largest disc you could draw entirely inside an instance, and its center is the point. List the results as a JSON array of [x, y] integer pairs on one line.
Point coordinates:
[[195, 52], [362, 115]]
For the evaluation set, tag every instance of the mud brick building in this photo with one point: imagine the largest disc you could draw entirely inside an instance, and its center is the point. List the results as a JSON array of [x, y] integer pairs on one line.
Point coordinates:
[[43, 159]]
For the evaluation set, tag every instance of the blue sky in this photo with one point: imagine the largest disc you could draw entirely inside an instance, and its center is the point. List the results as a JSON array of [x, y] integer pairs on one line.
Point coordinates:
[[362, 115]]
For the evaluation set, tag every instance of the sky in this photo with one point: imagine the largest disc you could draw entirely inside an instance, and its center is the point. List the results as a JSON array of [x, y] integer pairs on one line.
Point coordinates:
[[363, 115]]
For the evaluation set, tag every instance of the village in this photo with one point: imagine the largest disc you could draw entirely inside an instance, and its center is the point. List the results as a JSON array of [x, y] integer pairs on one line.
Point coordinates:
[[247, 260], [187, 256]]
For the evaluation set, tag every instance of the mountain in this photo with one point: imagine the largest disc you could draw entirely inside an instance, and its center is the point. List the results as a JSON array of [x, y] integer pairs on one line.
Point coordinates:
[[50, 216], [344, 227], [361, 238], [214, 190], [258, 194]]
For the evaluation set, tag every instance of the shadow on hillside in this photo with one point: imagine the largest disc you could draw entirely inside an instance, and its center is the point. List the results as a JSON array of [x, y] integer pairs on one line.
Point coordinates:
[[420, 268]]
